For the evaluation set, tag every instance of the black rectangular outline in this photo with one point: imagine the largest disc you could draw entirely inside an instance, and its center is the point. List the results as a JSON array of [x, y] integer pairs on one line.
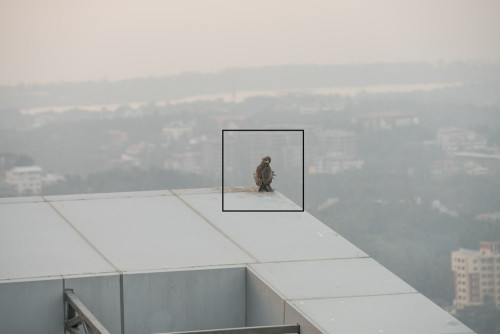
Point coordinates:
[[263, 130]]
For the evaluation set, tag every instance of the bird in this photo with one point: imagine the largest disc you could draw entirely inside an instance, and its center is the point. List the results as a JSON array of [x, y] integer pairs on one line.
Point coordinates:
[[263, 175]]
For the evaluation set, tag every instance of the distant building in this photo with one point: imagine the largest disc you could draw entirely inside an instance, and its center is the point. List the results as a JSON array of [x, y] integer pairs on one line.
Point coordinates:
[[474, 168], [477, 275], [333, 152], [453, 139], [26, 180], [467, 152], [475, 163], [333, 165], [385, 120]]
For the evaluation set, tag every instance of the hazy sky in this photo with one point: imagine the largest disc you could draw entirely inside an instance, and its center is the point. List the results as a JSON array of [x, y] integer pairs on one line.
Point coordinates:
[[45, 41]]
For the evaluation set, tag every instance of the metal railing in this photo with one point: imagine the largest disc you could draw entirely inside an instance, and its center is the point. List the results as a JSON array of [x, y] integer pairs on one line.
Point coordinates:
[[283, 329], [78, 319]]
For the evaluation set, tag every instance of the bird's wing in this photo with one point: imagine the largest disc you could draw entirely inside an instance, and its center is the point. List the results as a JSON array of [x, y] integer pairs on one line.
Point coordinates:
[[257, 176], [267, 175]]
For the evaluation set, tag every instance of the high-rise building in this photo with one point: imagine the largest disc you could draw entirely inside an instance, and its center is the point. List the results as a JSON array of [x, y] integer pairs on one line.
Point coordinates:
[[172, 260], [477, 275]]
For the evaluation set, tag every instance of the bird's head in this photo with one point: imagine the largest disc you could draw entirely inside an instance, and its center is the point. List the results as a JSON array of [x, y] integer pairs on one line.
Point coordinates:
[[266, 160]]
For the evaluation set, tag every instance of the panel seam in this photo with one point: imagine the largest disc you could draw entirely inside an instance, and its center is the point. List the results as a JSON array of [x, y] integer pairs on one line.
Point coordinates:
[[87, 241], [215, 227]]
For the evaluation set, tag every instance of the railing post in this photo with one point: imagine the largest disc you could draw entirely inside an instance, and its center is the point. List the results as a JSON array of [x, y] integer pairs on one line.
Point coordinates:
[[76, 315]]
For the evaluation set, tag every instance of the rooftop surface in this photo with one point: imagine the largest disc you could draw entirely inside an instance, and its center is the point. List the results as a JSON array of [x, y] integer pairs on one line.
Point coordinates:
[[465, 251], [319, 278], [27, 169]]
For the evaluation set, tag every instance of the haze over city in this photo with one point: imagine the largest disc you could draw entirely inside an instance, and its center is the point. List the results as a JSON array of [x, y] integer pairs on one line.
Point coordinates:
[[60, 41]]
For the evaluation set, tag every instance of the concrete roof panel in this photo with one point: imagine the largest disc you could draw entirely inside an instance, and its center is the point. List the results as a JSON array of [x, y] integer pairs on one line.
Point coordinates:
[[148, 233], [36, 242], [387, 314], [331, 278], [263, 233]]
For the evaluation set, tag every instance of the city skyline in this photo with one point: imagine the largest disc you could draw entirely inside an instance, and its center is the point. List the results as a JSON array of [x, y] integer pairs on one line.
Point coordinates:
[[54, 41]]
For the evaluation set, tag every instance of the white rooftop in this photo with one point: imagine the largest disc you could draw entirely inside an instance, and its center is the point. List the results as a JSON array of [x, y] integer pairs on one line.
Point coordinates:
[[310, 274], [465, 251], [26, 169]]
